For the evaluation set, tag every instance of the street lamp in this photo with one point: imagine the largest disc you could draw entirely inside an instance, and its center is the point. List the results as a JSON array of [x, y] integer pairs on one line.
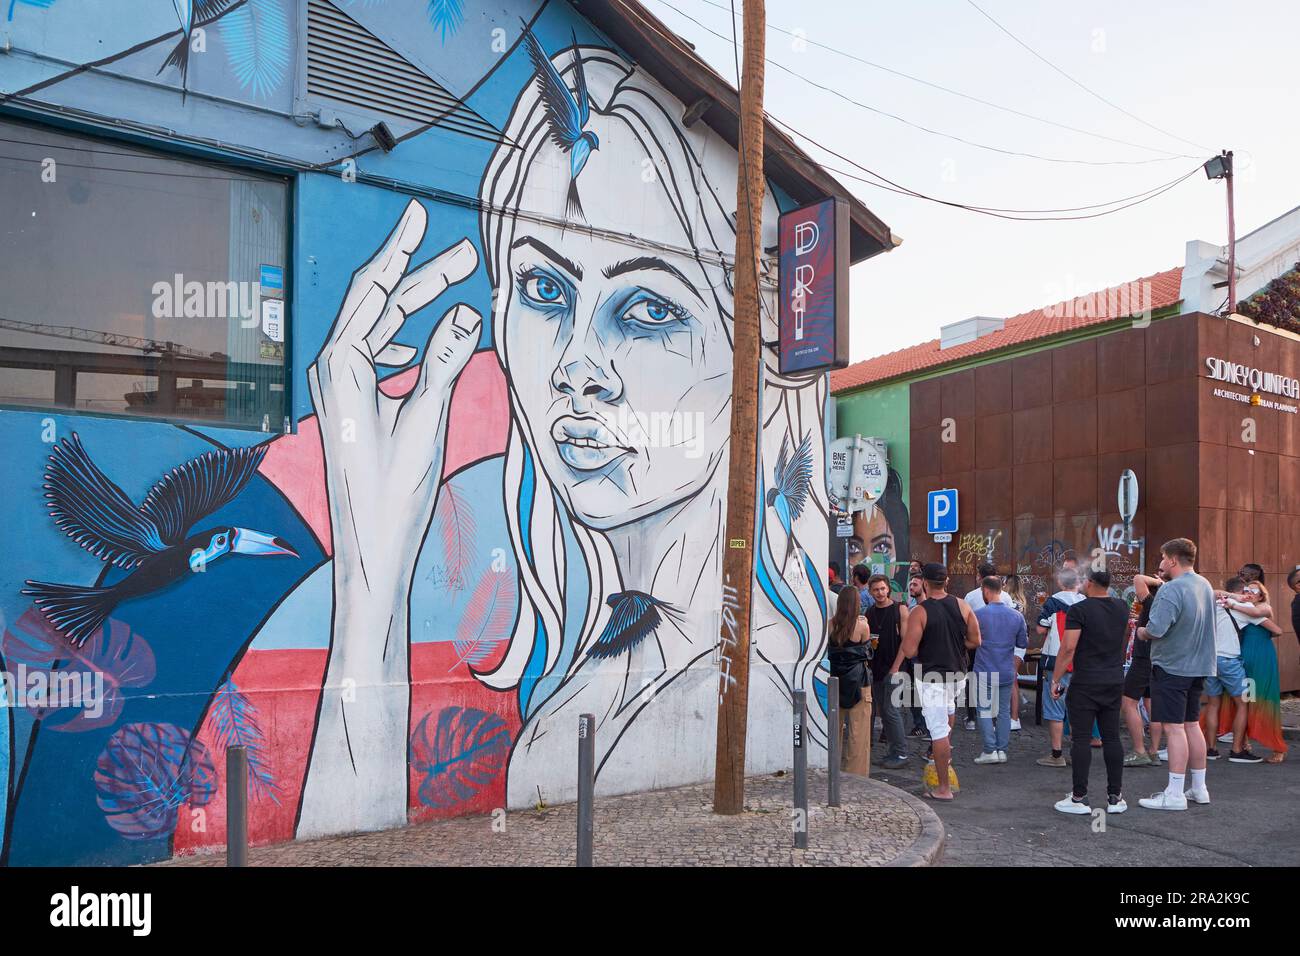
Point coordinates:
[[1220, 167]]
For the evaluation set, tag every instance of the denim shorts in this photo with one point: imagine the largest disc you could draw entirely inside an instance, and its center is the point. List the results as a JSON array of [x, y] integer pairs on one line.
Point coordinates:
[[1054, 709], [1230, 679]]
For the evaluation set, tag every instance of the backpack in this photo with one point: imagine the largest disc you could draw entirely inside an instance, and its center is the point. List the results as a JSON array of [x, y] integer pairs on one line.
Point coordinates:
[[851, 664]]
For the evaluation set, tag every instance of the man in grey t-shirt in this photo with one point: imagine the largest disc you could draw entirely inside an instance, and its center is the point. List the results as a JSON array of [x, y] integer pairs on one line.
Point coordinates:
[[1181, 631]]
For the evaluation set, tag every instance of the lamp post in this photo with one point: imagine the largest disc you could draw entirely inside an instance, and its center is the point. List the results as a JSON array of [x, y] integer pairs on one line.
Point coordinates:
[[1220, 167]]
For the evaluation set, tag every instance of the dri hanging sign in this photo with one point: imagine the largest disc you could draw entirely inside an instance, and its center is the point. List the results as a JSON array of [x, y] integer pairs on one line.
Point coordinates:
[[814, 287]]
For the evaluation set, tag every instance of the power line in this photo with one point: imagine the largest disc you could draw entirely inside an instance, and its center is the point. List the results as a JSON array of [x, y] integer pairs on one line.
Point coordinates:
[[926, 129], [1081, 86], [966, 96], [1021, 215]]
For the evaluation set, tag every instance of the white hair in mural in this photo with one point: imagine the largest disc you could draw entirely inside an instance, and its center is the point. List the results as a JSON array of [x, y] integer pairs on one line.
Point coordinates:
[[567, 564]]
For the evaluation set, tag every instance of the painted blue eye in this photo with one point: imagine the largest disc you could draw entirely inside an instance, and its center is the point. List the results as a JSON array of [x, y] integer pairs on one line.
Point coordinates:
[[654, 311], [547, 290], [542, 289]]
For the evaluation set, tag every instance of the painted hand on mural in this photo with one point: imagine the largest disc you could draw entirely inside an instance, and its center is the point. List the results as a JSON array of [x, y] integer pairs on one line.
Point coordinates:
[[383, 463]]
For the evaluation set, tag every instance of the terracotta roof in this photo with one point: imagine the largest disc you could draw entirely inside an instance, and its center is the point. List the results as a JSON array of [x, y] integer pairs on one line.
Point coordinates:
[[1092, 309]]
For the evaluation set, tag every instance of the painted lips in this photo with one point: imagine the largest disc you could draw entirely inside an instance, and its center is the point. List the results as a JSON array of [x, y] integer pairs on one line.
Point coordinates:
[[586, 444]]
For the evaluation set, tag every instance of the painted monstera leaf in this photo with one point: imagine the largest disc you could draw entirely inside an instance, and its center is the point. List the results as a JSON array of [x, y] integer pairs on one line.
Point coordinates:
[[145, 773], [112, 659], [458, 752]]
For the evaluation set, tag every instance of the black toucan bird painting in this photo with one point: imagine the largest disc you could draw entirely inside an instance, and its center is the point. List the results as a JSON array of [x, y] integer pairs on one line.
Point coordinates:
[[154, 539]]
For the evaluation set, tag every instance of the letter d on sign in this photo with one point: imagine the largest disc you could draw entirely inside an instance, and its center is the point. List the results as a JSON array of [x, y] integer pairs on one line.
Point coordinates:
[[806, 235]]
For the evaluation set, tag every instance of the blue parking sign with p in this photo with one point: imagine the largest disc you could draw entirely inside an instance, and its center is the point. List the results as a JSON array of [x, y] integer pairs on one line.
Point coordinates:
[[941, 511]]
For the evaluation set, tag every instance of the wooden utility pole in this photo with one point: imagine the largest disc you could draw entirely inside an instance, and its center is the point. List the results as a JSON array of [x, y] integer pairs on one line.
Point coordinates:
[[738, 557]]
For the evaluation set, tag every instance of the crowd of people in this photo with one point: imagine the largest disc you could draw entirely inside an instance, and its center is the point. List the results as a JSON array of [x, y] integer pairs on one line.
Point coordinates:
[[1185, 668]]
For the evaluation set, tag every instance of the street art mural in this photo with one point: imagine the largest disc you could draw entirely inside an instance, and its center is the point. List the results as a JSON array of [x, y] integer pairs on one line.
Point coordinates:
[[501, 504], [885, 531]]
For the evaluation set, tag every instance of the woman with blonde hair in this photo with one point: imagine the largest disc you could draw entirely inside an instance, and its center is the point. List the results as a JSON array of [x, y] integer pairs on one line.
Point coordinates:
[[1259, 656]]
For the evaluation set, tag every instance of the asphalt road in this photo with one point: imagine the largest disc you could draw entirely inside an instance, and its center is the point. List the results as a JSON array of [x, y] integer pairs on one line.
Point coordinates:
[[1003, 815]]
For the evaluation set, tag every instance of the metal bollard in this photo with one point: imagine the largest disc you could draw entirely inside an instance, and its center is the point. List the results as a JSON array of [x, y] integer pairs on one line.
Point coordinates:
[[800, 770], [835, 737], [586, 786], [236, 806]]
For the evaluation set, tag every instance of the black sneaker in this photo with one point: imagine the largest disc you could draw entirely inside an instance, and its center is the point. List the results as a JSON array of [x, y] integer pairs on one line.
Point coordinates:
[[917, 732], [1211, 754], [1243, 756]]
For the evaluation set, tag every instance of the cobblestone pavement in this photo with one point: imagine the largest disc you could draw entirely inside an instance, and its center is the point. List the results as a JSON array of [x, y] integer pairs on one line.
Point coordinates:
[[1003, 815], [875, 826]]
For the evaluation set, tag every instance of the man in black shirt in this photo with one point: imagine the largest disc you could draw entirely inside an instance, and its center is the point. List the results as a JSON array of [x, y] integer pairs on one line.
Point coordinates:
[[1137, 683], [939, 632], [887, 619], [1095, 632]]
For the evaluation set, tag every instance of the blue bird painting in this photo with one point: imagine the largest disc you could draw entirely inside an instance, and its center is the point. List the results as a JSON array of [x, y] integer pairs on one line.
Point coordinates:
[[635, 617], [567, 112], [153, 541], [789, 494]]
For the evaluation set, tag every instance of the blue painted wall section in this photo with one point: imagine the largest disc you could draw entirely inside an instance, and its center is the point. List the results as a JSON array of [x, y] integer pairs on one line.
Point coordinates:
[[503, 496]]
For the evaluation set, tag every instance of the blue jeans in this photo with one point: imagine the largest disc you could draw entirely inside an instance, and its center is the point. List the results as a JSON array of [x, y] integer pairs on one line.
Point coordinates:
[[995, 729]]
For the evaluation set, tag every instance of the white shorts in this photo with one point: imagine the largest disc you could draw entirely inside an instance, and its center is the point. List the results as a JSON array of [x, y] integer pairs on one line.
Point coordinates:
[[938, 701]]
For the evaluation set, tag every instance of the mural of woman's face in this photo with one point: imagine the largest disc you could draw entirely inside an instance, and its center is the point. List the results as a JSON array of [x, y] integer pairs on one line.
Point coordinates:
[[879, 538], [618, 354]]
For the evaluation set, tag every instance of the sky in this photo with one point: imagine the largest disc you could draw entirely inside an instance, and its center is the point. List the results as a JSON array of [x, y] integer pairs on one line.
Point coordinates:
[[1221, 76]]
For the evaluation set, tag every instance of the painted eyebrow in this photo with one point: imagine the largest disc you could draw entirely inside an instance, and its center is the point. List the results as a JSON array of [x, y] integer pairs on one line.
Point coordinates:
[[649, 262], [567, 264]]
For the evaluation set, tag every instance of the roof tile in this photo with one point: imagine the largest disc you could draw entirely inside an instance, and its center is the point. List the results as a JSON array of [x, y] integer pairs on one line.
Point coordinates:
[[1085, 310]]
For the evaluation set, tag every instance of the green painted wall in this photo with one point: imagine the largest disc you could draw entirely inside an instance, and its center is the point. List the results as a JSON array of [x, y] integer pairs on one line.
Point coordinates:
[[881, 412]]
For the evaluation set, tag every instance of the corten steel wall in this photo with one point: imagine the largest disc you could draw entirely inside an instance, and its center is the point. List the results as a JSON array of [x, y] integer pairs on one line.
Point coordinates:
[[1038, 443], [1249, 493]]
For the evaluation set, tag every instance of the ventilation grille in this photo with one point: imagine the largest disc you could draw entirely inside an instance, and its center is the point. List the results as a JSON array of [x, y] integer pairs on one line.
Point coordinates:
[[349, 65]]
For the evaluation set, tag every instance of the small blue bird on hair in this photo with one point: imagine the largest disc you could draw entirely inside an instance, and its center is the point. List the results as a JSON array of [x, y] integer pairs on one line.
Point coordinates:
[[635, 617], [567, 112], [792, 480]]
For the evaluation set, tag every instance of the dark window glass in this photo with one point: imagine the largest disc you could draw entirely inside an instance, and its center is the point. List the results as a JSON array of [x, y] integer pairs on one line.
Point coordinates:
[[138, 284]]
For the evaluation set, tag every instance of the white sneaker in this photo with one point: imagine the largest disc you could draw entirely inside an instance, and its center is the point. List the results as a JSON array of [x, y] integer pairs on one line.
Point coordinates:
[[1164, 800], [1227, 736], [1002, 756], [987, 758], [1015, 725], [1163, 753], [1070, 805], [970, 725], [1119, 806], [1201, 796]]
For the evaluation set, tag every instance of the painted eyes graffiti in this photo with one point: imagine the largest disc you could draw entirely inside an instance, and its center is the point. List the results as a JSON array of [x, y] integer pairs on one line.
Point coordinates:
[[546, 291]]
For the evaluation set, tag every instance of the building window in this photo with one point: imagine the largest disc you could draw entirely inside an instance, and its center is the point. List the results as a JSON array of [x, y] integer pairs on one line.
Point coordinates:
[[133, 283]]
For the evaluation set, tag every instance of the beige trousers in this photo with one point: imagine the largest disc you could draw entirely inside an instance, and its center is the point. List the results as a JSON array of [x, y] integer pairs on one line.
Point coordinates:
[[855, 724]]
